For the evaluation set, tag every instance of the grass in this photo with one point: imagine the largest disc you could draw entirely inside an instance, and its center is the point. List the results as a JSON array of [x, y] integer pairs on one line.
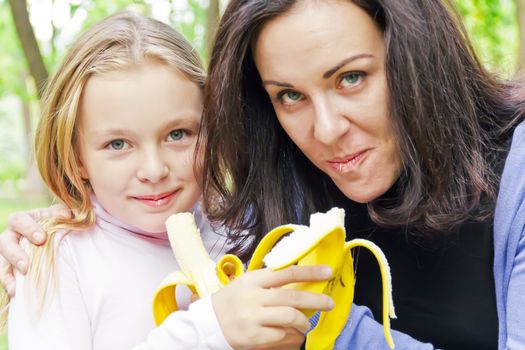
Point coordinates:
[[8, 206]]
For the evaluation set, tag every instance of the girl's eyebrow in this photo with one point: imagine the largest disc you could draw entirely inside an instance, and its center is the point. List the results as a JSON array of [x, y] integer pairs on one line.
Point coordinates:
[[338, 66], [109, 132]]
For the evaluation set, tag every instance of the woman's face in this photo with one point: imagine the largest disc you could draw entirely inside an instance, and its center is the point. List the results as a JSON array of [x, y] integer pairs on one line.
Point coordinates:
[[322, 64]]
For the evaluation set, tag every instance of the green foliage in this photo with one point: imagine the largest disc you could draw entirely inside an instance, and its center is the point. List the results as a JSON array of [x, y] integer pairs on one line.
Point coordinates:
[[493, 30], [191, 22]]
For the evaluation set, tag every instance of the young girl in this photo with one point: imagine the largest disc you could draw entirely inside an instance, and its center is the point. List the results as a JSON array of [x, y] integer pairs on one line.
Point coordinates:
[[116, 144]]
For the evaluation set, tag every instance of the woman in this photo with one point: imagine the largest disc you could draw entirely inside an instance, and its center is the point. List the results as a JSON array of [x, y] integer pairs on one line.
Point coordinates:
[[381, 108]]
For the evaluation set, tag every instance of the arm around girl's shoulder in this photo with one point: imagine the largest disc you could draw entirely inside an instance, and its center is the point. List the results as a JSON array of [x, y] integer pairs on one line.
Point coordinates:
[[509, 246]]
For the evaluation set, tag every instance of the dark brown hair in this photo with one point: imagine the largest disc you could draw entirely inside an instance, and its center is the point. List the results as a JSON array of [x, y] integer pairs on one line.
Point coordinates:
[[452, 119]]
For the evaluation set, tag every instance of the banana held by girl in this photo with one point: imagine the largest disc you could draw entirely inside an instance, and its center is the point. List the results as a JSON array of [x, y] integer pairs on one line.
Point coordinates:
[[323, 242]]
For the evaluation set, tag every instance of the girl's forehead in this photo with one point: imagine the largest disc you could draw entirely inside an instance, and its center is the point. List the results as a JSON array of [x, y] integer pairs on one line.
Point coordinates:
[[153, 92]]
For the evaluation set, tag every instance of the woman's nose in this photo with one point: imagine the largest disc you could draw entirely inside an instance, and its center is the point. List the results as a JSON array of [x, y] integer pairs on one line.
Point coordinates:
[[329, 122]]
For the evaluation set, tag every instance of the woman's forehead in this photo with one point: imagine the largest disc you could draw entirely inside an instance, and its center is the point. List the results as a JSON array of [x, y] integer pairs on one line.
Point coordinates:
[[327, 32]]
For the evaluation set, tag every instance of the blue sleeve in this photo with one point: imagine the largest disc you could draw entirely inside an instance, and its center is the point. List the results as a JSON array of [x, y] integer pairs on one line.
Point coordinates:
[[509, 246], [516, 299], [362, 331]]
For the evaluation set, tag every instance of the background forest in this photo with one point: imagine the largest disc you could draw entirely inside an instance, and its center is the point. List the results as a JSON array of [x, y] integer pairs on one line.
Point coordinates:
[[34, 35]]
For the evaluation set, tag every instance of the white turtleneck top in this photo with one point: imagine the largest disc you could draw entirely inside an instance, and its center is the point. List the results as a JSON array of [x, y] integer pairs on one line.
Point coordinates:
[[106, 278]]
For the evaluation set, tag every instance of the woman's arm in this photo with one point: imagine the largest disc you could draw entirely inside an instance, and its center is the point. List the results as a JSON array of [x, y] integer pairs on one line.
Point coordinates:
[[23, 224], [516, 299], [362, 331], [509, 246]]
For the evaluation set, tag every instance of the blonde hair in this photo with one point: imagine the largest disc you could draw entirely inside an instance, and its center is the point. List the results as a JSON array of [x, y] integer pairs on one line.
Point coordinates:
[[118, 42]]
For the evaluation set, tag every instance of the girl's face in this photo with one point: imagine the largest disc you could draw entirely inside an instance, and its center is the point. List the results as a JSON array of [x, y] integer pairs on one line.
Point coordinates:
[[322, 64], [138, 130]]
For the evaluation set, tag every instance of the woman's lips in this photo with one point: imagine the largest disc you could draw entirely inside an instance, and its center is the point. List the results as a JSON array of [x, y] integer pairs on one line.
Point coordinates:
[[348, 163], [157, 200]]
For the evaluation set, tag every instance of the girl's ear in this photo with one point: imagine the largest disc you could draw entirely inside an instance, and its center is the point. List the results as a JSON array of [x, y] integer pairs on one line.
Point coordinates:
[[82, 170], [80, 162]]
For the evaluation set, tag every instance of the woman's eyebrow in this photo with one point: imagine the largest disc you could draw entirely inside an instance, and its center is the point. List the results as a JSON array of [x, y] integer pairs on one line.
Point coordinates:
[[338, 66], [277, 83]]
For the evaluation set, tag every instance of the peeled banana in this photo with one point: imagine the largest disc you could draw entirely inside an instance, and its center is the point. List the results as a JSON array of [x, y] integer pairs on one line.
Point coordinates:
[[323, 242]]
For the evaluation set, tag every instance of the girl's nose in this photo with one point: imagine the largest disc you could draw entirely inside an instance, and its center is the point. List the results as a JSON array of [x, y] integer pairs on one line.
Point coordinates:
[[153, 168]]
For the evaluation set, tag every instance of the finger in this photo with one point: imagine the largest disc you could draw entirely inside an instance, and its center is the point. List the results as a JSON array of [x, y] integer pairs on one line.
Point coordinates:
[[25, 224], [7, 279], [297, 299], [294, 274], [285, 317], [194, 297], [12, 252], [9, 283], [58, 210]]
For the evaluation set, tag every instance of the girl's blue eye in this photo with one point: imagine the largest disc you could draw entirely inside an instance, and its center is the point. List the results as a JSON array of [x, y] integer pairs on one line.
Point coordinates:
[[351, 79], [176, 135], [117, 145]]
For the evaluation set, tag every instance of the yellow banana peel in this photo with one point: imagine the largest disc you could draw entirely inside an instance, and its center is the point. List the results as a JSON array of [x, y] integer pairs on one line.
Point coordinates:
[[323, 242]]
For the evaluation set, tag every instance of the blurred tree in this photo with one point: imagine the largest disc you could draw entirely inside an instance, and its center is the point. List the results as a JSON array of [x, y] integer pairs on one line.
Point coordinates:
[[212, 22], [38, 74], [29, 44]]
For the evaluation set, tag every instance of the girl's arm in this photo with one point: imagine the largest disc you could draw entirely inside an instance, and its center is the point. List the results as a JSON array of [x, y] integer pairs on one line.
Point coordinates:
[[63, 323], [249, 312]]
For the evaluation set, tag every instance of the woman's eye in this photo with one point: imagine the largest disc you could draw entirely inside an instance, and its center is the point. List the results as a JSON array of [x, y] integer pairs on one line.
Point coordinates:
[[176, 135], [351, 79], [290, 97], [118, 145]]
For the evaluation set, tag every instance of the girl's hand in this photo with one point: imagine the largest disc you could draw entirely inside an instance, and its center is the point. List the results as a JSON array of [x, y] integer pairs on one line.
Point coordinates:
[[254, 313], [22, 224]]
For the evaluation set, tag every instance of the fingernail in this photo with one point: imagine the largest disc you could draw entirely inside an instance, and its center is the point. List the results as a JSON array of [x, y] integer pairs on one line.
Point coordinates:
[[10, 288], [38, 236], [326, 271], [21, 266], [331, 303]]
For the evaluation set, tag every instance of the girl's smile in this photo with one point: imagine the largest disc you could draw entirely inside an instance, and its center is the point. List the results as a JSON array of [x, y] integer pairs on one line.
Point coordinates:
[[158, 201]]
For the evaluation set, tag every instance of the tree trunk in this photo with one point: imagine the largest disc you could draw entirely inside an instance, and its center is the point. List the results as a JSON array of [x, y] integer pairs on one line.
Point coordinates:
[[212, 22], [520, 11], [32, 54]]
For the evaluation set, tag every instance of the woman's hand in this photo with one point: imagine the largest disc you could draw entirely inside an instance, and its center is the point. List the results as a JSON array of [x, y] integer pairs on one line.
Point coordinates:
[[23, 224], [254, 313]]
